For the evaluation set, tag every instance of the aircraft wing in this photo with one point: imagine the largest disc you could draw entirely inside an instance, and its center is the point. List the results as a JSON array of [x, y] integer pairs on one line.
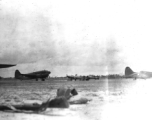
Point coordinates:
[[6, 65], [145, 74]]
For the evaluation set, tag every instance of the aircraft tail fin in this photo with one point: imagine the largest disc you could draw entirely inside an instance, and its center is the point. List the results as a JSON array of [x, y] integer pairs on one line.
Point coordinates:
[[128, 71], [17, 74]]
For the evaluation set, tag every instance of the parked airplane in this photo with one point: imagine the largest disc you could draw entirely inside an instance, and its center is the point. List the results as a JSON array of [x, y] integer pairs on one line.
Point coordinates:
[[34, 75], [86, 78], [93, 77], [6, 65], [72, 77], [129, 73]]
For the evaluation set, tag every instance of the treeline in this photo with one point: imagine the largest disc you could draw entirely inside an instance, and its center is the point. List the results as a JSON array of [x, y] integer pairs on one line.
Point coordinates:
[[109, 76]]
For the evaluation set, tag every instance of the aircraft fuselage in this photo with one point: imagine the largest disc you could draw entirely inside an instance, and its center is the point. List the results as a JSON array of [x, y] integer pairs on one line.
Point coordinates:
[[34, 75]]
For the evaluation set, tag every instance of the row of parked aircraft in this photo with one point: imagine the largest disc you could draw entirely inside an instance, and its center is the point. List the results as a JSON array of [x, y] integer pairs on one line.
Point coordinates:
[[129, 73], [44, 74]]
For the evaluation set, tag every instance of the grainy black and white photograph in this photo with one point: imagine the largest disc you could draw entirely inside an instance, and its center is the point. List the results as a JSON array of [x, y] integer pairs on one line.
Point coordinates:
[[75, 59]]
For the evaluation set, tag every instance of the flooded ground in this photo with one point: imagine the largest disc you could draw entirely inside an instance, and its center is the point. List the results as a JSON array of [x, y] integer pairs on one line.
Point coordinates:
[[110, 99]]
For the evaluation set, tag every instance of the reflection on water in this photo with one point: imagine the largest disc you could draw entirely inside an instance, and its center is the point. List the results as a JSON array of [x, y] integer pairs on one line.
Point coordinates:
[[111, 98]]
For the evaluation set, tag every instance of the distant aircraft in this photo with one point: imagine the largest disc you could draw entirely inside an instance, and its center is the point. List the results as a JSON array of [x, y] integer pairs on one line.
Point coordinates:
[[93, 77], [34, 75], [129, 73], [72, 77], [86, 78], [6, 65]]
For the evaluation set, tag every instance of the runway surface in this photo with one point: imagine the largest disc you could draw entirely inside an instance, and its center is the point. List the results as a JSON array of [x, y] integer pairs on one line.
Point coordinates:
[[110, 99]]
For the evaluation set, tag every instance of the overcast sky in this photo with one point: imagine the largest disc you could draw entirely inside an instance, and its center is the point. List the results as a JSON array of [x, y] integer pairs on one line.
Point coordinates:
[[75, 36]]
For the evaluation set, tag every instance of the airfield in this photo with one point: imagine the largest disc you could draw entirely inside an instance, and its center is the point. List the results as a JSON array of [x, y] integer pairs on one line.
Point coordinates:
[[110, 99]]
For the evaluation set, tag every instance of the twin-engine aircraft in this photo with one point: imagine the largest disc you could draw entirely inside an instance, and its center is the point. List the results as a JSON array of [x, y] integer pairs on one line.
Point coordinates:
[[34, 75], [129, 73]]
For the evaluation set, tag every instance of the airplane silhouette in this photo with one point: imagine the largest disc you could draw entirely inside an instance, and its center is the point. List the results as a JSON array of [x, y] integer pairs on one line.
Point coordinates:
[[72, 77], [84, 78], [129, 73], [34, 75], [6, 65], [93, 77]]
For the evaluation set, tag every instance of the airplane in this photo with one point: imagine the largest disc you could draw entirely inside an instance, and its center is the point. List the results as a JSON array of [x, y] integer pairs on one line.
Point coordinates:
[[86, 78], [93, 77], [72, 77], [129, 73], [6, 65], [34, 75]]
